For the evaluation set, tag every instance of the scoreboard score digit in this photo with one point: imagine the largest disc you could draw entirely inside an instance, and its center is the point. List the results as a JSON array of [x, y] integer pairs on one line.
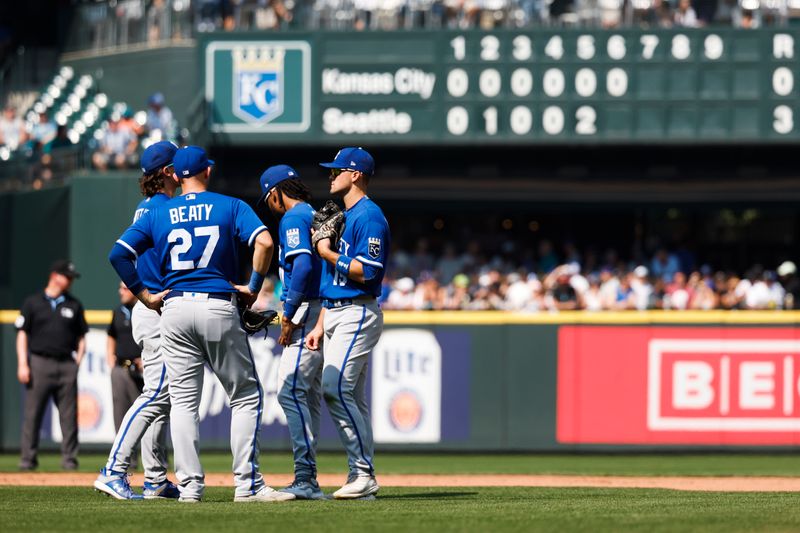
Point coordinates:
[[632, 86]]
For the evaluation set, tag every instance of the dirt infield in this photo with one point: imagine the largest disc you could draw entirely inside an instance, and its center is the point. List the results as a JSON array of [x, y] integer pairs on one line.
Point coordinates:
[[715, 484]]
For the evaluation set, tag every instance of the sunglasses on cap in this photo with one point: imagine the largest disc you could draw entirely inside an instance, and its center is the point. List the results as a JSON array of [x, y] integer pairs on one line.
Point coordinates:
[[336, 171]]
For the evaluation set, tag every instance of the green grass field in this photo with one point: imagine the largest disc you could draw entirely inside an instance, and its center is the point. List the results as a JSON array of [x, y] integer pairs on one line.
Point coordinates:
[[485, 509], [436, 509]]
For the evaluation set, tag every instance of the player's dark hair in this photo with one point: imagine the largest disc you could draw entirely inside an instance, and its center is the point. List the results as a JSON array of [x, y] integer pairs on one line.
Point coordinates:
[[150, 184], [294, 188]]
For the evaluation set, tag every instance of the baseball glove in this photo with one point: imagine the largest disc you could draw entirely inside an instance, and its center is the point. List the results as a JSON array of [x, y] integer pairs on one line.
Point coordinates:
[[255, 321], [328, 223]]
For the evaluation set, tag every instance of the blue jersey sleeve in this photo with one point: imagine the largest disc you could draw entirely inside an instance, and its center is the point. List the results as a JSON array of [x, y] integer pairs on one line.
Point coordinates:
[[248, 225], [296, 234], [371, 247], [138, 238]]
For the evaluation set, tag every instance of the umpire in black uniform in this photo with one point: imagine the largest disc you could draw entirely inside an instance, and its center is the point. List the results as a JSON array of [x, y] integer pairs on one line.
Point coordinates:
[[51, 342], [124, 359]]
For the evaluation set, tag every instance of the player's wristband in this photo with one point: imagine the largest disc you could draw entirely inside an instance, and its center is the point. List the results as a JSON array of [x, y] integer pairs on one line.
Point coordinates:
[[293, 300], [343, 265], [256, 279]]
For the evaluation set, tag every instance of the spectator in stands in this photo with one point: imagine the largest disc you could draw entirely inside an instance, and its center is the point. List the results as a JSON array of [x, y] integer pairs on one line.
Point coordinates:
[[160, 122], [117, 148], [625, 297], [610, 13], [706, 11], [678, 293], [548, 260], [703, 295], [52, 162], [267, 297], [731, 296], [608, 287], [128, 122], [12, 129], [592, 298], [449, 264], [664, 265], [422, 260], [561, 295], [685, 16], [662, 14], [787, 272], [519, 293], [270, 14], [402, 295], [765, 293], [642, 289], [42, 132], [747, 21], [456, 294], [157, 21], [427, 295]]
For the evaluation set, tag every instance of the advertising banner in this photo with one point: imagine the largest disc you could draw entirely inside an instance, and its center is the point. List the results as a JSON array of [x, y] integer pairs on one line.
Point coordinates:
[[410, 372], [678, 385]]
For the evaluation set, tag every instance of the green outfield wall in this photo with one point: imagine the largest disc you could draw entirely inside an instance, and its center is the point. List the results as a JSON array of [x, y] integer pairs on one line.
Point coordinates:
[[461, 381], [80, 221]]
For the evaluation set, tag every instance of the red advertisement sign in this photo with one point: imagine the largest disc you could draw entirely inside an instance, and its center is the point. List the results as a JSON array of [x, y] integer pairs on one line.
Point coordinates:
[[678, 385]]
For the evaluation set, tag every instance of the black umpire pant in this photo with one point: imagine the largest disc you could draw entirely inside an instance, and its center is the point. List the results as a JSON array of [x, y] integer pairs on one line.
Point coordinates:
[[125, 388], [56, 379]]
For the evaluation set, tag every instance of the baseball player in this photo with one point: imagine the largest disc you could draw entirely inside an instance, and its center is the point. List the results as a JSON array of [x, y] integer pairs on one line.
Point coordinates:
[[146, 420], [351, 320], [196, 237], [300, 371]]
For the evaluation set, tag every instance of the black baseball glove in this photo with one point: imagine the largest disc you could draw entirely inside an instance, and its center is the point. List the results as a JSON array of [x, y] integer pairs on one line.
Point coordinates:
[[328, 223], [255, 321]]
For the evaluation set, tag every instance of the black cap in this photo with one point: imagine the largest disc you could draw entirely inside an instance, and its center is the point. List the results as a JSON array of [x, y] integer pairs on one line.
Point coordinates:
[[65, 267]]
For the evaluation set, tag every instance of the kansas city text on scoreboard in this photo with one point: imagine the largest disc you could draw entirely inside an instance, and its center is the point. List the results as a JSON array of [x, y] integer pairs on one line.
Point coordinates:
[[526, 87]]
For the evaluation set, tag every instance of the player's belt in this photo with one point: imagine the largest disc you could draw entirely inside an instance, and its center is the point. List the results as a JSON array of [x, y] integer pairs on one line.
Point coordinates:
[[330, 304], [212, 295]]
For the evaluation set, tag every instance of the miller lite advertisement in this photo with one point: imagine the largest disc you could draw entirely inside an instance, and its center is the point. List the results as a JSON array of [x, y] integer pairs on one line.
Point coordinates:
[[407, 387]]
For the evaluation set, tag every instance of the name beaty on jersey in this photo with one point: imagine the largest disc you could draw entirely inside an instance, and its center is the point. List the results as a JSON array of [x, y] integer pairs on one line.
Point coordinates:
[[190, 213]]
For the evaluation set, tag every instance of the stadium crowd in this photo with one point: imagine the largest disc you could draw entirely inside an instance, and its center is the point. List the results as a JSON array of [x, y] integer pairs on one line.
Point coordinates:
[[131, 21], [470, 281]]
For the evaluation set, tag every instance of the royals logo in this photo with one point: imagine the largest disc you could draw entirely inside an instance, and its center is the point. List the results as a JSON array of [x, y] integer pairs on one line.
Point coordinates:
[[293, 237], [258, 83], [374, 247]]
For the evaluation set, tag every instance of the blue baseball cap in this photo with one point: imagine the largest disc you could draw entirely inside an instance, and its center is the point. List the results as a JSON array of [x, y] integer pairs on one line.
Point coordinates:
[[353, 158], [190, 160], [157, 155], [273, 176]]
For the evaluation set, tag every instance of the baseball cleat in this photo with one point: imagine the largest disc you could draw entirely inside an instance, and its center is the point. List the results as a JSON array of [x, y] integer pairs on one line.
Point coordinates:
[[266, 494], [116, 485], [357, 487], [166, 490], [305, 489], [188, 500]]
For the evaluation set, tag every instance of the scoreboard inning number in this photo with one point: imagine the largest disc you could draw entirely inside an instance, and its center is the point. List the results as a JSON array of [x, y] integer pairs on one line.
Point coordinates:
[[514, 81]]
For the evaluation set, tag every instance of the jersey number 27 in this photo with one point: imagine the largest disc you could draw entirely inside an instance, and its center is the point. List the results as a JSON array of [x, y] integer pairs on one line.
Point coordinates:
[[183, 240]]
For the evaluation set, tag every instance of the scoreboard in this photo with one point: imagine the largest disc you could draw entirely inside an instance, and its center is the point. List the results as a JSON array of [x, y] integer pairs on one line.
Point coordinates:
[[504, 87]]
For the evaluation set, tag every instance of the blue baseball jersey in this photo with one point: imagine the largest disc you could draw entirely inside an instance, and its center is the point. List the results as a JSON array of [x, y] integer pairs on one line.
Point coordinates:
[[147, 264], [195, 238], [365, 238], [295, 239]]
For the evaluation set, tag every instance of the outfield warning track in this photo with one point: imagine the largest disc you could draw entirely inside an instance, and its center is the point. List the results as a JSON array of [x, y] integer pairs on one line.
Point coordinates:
[[714, 484]]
